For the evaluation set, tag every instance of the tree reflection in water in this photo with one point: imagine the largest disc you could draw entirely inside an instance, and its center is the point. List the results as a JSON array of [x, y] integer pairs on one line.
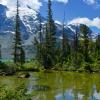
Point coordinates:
[[58, 85]]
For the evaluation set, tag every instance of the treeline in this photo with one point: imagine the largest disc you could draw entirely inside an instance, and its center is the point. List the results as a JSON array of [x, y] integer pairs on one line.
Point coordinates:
[[18, 51], [80, 52]]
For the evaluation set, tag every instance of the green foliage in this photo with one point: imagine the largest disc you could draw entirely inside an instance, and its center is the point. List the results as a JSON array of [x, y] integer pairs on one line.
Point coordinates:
[[46, 49], [50, 39], [80, 53], [19, 54], [32, 65], [8, 67], [96, 66], [65, 47], [10, 94], [85, 36]]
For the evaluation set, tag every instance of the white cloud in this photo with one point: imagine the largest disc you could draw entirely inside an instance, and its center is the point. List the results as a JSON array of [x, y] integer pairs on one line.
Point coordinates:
[[3, 2], [61, 1], [11, 5], [95, 3], [94, 22], [24, 6], [90, 1]]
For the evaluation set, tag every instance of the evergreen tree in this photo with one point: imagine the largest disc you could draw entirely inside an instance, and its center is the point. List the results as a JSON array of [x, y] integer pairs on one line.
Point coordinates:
[[38, 41], [50, 40], [22, 56], [85, 37], [65, 46], [39, 56], [76, 49], [19, 55]]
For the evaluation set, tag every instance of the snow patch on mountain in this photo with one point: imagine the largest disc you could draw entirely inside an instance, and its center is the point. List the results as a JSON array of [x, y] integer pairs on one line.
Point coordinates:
[[29, 25]]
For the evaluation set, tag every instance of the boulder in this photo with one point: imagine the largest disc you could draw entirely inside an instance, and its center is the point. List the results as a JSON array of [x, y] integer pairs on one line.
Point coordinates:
[[23, 75]]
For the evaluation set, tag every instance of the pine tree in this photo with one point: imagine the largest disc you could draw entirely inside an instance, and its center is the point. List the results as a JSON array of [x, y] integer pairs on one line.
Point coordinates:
[[19, 55], [76, 49], [65, 46], [85, 36], [50, 38], [38, 41], [22, 56]]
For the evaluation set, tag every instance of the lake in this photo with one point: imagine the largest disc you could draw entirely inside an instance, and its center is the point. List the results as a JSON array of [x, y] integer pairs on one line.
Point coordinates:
[[55, 86]]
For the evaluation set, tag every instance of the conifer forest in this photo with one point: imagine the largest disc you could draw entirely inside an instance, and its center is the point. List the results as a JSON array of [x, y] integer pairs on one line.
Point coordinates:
[[45, 59]]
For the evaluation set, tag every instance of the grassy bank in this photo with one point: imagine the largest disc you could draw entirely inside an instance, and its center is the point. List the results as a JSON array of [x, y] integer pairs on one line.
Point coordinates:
[[10, 68]]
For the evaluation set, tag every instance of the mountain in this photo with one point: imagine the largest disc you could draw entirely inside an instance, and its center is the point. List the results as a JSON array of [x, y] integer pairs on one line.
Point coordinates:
[[28, 26], [28, 29]]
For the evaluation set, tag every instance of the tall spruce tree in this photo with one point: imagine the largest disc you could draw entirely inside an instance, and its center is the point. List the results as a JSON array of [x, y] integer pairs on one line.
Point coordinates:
[[50, 39], [38, 41], [76, 49], [39, 56], [86, 39], [19, 55], [65, 44]]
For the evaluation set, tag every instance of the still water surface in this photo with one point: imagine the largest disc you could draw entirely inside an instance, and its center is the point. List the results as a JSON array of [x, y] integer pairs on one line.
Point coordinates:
[[58, 85]]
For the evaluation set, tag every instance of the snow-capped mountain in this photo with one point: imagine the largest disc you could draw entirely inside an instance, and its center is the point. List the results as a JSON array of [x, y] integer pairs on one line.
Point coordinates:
[[28, 26]]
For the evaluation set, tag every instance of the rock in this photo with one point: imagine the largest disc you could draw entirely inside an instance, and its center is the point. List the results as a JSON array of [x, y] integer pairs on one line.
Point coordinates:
[[23, 75]]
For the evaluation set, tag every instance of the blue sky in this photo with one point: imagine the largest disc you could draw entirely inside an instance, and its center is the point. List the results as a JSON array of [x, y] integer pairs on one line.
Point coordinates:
[[77, 11], [82, 11], [74, 9]]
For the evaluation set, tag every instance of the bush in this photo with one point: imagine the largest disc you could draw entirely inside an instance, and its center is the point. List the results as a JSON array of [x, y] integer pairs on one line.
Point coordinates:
[[96, 66], [86, 66], [31, 65], [7, 67], [17, 94]]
